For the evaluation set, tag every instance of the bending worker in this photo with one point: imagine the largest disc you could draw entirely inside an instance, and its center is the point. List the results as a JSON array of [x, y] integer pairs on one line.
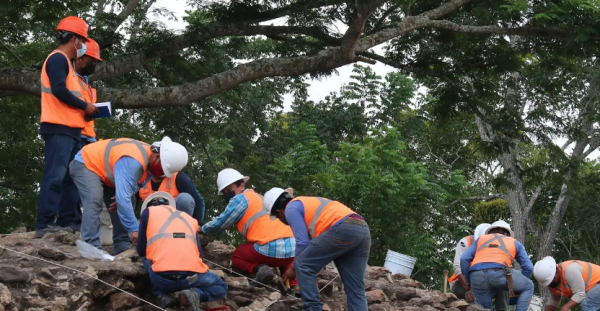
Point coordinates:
[[179, 186], [487, 267], [62, 118], [115, 168], [578, 280], [457, 281], [325, 231], [84, 67], [269, 243], [169, 247]]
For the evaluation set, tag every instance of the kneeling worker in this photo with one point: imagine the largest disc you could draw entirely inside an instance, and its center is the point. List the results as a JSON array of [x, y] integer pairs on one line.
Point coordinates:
[[270, 243], [180, 186], [325, 231], [458, 284], [488, 263], [578, 280], [169, 246]]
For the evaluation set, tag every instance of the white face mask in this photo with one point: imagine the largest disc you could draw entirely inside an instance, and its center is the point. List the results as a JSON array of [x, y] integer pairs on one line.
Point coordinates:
[[81, 52]]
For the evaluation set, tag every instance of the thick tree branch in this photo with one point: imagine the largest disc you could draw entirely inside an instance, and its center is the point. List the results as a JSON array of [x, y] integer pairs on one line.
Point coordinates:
[[187, 93], [486, 197], [125, 13], [520, 31], [379, 24], [356, 27]]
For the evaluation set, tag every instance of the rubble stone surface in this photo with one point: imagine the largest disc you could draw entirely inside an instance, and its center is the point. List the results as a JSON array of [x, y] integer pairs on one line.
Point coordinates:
[[30, 284]]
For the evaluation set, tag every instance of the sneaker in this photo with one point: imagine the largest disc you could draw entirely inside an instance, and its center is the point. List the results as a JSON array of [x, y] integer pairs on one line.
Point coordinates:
[[264, 274], [39, 233], [189, 299], [166, 301]]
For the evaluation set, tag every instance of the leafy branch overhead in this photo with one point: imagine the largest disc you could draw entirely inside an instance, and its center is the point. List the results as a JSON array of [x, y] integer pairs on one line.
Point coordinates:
[[280, 39]]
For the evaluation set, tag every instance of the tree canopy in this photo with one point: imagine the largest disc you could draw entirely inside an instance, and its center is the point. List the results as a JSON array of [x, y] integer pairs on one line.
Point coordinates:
[[492, 111]]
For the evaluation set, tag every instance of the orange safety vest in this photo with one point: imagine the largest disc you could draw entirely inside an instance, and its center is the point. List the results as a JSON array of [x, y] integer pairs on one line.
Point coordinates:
[[171, 241], [166, 185], [256, 225], [321, 213], [53, 110], [100, 157], [90, 97], [470, 240], [591, 276], [495, 248]]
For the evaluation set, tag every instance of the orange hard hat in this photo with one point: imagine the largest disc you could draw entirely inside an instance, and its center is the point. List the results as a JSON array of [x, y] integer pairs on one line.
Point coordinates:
[[92, 49], [74, 24]]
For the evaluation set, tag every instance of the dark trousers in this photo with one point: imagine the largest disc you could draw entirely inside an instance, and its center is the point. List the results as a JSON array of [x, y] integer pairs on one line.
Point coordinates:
[[58, 193]]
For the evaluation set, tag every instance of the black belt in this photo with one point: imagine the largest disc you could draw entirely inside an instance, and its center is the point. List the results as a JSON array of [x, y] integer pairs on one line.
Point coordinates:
[[175, 277], [493, 269]]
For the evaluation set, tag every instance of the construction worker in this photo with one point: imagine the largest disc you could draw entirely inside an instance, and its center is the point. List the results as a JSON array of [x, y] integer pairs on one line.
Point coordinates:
[[578, 280], [85, 66], [169, 247], [487, 267], [114, 169], [269, 243], [181, 187], [62, 118], [325, 231], [458, 285]]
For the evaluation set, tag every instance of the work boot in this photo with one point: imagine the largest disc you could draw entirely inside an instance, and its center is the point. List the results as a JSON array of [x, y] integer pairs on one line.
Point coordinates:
[[189, 299], [39, 233], [166, 301], [263, 274]]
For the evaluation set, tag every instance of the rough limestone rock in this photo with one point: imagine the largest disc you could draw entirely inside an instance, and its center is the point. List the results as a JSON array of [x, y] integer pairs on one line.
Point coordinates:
[[33, 285]]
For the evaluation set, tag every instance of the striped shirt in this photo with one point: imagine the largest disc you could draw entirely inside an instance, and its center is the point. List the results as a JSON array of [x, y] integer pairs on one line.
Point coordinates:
[[233, 213]]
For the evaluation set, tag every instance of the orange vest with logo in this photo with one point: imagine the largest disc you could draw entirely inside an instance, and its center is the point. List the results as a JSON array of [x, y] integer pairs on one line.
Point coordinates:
[[321, 213], [495, 248], [256, 225], [470, 240], [53, 110], [171, 241], [90, 97], [100, 157], [591, 277], [166, 185]]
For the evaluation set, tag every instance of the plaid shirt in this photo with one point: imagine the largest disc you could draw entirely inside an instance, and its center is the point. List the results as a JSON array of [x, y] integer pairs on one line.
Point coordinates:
[[233, 213]]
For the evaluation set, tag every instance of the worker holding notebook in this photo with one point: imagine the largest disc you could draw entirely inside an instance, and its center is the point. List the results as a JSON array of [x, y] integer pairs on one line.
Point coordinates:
[[63, 112]]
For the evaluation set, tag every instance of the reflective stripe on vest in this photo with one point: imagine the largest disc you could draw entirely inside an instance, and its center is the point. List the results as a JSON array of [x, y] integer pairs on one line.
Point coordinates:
[[253, 218], [256, 224], [48, 90], [591, 273], [113, 143], [161, 234], [497, 237], [166, 184], [491, 248], [313, 223]]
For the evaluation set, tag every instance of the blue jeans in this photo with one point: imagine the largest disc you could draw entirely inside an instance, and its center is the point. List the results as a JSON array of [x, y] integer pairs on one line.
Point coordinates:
[[209, 286], [95, 196], [486, 283], [58, 194], [591, 302], [347, 245]]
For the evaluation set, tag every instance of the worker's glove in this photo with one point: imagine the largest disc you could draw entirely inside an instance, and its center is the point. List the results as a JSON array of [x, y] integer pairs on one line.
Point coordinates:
[[469, 297]]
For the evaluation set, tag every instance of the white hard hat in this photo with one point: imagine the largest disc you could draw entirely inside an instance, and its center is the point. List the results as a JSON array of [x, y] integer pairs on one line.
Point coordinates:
[[158, 194], [272, 195], [481, 229], [173, 156], [501, 224], [227, 177], [544, 270]]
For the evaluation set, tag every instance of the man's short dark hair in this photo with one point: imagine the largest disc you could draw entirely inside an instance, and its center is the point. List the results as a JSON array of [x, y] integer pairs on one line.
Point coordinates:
[[281, 202], [64, 37], [158, 201]]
